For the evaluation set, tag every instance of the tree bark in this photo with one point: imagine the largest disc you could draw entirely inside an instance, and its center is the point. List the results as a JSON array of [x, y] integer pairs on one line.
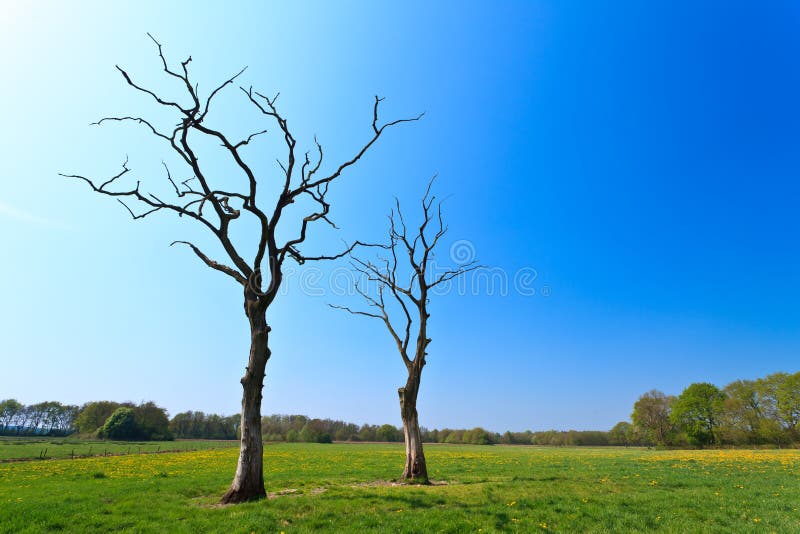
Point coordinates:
[[248, 482], [416, 470]]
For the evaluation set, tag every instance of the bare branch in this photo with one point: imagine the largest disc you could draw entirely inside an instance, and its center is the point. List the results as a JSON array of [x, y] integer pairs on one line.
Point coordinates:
[[230, 271], [356, 312], [217, 90], [377, 133], [178, 192], [183, 77], [455, 273], [249, 138], [380, 305], [375, 274], [153, 202], [301, 258], [149, 92], [271, 111], [141, 215], [133, 119]]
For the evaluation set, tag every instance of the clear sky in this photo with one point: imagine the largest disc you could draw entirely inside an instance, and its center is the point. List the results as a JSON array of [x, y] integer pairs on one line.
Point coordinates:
[[642, 157]]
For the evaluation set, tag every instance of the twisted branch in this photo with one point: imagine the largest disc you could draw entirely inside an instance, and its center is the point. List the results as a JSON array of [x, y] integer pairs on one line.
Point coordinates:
[[228, 205]]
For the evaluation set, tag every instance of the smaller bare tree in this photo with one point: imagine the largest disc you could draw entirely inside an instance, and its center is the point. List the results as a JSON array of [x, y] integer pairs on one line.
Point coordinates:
[[403, 305]]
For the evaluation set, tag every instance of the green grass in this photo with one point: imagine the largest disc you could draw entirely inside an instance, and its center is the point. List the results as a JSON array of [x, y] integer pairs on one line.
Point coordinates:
[[343, 488], [24, 448]]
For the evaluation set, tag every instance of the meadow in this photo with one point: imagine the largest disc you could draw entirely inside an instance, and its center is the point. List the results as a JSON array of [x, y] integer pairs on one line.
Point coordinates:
[[348, 488]]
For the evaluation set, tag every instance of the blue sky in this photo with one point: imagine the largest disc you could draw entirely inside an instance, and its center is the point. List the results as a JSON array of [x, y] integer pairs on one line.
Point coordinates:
[[643, 158]]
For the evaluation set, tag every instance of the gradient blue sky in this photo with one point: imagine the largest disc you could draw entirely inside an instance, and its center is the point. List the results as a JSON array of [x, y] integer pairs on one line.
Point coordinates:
[[643, 157]]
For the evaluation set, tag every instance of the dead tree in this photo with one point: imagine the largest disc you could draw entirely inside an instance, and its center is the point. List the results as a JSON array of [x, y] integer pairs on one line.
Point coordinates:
[[218, 205], [402, 305]]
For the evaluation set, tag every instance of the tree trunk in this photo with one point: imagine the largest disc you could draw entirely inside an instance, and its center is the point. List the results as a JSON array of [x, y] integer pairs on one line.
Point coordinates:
[[248, 483], [416, 470]]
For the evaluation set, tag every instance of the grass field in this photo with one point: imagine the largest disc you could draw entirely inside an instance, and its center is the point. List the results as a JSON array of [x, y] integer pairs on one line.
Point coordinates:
[[34, 448], [344, 488]]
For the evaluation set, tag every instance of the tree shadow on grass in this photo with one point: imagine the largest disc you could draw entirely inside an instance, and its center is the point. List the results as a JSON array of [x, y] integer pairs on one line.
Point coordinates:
[[402, 500]]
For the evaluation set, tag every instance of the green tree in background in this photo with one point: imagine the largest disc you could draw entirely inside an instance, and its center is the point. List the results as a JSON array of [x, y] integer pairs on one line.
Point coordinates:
[[93, 415], [120, 425], [152, 422], [621, 434], [651, 417], [387, 433], [315, 431], [774, 428], [787, 402], [743, 419], [478, 436], [9, 410], [698, 411]]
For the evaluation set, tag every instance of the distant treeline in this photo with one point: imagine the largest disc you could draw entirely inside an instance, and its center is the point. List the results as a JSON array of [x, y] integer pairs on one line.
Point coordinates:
[[758, 412], [762, 412], [301, 428], [197, 425], [42, 419], [100, 419], [147, 421]]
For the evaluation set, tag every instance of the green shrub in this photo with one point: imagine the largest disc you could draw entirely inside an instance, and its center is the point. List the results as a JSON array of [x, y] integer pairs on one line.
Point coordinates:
[[120, 425]]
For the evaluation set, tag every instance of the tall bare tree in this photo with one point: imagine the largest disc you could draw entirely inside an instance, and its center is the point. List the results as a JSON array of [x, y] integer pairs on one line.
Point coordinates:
[[218, 206], [401, 303]]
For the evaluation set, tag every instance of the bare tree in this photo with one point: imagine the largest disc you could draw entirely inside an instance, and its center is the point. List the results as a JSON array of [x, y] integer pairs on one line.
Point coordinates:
[[403, 305], [218, 207]]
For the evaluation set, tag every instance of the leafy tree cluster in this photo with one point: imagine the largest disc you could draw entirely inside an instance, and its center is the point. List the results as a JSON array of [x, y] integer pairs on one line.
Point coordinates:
[[123, 421], [48, 418], [475, 436], [765, 411], [295, 428], [198, 425]]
